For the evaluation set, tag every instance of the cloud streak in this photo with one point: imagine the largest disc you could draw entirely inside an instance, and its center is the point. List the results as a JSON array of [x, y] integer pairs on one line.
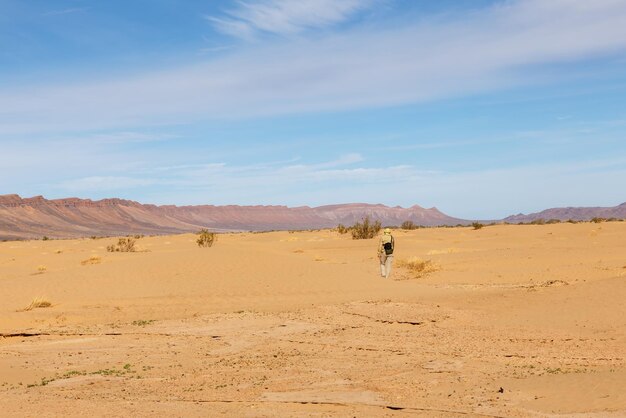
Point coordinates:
[[285, 17], [495, 48], [328, 182], [64, 11]]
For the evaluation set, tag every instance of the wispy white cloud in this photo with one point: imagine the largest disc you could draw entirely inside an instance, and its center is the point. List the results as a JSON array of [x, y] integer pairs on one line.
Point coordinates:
[[285, 17], [347, 159], [490, 49], [65, 11], [316, 184]]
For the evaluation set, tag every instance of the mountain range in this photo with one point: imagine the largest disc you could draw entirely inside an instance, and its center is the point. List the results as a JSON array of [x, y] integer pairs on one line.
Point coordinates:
[[574, 213], [72, 217]]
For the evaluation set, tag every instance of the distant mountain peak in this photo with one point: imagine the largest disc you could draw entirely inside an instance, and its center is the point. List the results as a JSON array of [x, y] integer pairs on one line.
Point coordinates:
[[73, 217], [570, 212]]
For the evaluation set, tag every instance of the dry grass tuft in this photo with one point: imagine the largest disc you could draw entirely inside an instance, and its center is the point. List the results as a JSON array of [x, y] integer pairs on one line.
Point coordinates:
[[41, 270], [124, 245], [301, 251], [205, 238], [342, 229], [94, 259], [417, 267], [37, 303]]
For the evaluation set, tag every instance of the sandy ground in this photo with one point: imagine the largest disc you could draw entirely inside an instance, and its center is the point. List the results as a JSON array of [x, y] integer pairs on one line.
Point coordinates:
[[516, 321]]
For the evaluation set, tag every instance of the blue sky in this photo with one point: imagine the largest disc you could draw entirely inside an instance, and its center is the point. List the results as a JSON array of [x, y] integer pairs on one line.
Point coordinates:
[[480, 108]]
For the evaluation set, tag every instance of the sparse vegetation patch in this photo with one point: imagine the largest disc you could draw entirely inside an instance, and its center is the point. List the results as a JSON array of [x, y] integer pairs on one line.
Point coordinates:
[[366, 229], [477, 225], [124, 245], [409, 225], [37, 303], [417, 267], [206, 238], [126, 369], [142, 322], [94, 259]]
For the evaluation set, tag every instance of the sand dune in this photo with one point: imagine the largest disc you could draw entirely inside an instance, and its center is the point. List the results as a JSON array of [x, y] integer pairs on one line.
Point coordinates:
[[515, 321]]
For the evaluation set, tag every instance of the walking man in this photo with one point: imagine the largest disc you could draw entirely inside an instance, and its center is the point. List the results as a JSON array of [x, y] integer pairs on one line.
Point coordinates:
[[385, 253]]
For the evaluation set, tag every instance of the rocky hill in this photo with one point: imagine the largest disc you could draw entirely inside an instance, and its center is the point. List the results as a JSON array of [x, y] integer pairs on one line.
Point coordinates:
[[575, 213], [72, 217]]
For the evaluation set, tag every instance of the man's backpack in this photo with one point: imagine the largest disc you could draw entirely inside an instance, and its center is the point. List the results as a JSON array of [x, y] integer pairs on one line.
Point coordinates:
[[388, 246]]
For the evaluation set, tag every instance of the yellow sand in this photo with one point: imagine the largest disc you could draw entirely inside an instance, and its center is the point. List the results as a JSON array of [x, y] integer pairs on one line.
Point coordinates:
[[514, 321]]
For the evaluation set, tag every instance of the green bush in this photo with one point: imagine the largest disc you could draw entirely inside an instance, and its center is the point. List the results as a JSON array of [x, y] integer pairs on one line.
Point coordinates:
[[365, 229], [206, 238]]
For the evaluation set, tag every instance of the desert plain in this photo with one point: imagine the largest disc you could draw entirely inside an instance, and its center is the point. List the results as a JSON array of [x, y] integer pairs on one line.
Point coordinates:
[[506, 321]]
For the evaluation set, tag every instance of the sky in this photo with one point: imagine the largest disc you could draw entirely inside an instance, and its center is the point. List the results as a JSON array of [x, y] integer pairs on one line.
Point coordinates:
[[481, 108]]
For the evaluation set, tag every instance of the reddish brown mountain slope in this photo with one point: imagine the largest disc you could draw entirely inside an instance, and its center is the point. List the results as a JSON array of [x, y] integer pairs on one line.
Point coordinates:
[[36, 217], [580, 214]]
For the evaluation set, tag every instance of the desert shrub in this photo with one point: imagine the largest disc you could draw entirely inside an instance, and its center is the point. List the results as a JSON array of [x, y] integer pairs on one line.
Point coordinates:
[[37, 303], [142, 322], [124, 245], [417, 267], [206, 238], [94, 259], [553, 221], [597, 220], [342, 229], [408, 225], [477, 225], [539, 221], [572, 221], [366, 229]]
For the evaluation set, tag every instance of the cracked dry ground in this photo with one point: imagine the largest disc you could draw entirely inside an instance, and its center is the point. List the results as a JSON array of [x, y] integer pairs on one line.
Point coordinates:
[[357, 359], [453, 349]]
